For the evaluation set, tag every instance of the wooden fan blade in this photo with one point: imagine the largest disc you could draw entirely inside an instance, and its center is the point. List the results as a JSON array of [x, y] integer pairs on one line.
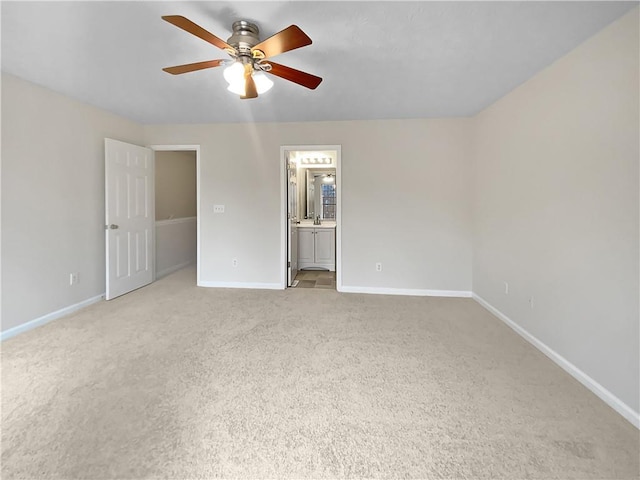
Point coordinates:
[[192, 67], [288, 39], [295, 76], [250, 90], [188, 26]]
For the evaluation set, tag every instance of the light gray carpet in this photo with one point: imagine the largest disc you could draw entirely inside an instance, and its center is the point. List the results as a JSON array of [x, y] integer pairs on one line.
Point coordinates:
[[175, 381]]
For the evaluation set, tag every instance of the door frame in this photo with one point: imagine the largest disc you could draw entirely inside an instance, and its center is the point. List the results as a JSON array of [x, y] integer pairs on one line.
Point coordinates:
[[291, 216], [183, 148], [284, 150]]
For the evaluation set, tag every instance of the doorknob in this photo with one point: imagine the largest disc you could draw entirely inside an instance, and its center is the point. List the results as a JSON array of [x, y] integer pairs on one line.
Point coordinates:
[[112, 227]]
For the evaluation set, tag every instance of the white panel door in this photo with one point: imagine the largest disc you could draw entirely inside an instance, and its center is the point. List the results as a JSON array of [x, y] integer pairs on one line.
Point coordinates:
[[292, 219], [294, 253], [129, 190]]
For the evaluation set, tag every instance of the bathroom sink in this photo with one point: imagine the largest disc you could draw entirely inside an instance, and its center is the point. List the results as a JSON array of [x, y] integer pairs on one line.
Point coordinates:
[[309, 224]]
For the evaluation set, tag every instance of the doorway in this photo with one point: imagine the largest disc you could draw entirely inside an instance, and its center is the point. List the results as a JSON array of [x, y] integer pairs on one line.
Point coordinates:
[[177, 200], [311, 216], [130, 220]]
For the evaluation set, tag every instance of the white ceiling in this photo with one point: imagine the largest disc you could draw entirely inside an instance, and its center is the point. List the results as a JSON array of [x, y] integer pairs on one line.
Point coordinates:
[[379, 60]]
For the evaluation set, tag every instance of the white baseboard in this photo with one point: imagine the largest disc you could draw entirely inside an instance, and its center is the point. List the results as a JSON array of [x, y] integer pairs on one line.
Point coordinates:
[[12, 332], [406, 291], [175, 268], [259, 286], [605, 395]]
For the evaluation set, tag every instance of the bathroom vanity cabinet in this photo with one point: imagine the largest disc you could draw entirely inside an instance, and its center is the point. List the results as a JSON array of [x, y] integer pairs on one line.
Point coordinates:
[[317, 247]]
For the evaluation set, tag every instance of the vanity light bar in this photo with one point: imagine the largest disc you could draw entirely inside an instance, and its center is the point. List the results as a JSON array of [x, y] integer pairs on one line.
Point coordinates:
[[316, 160]]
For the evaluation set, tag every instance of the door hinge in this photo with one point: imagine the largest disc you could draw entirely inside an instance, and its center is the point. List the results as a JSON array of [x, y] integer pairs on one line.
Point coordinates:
[[288, 264]]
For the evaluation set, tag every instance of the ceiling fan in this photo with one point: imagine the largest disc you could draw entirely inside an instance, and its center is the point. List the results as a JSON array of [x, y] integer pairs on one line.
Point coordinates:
[[250, 57]]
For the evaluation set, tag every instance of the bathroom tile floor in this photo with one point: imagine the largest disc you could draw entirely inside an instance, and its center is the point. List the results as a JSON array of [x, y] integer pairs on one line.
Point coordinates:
[[315, 279]]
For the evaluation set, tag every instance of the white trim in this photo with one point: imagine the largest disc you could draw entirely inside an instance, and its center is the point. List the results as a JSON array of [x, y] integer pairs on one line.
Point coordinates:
[[174, 268], [406, 291], [283, 208], [258, 286], [49, 317], [173, 221], [188, 148], [605, 395], [339, 217], [283, 217]]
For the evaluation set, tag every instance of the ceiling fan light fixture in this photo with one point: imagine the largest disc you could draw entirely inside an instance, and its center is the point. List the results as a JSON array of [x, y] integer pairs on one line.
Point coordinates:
[[234, 75], [237, 89], [263, 83]]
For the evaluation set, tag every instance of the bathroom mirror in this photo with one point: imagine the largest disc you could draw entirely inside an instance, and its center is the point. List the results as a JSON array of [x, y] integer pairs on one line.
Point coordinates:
[[317, 190]]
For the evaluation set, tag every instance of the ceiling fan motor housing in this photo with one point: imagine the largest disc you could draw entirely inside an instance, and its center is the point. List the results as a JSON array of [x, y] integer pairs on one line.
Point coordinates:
[[245, 36]]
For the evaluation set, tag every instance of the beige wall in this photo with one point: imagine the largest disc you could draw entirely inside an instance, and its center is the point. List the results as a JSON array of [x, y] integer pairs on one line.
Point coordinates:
[[176, 244], [175, 185], [52, 198], [556, 207], [406, 190]]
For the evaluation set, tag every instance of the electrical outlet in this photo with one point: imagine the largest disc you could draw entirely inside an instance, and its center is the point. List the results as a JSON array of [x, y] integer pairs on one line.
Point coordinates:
[[74, 278], [506, 288], [218, 209], [378, 267], [531, 302], [234, 262]]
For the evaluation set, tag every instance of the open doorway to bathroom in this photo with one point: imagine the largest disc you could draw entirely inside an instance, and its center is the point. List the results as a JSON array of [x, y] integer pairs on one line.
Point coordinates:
[[311, 194]]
